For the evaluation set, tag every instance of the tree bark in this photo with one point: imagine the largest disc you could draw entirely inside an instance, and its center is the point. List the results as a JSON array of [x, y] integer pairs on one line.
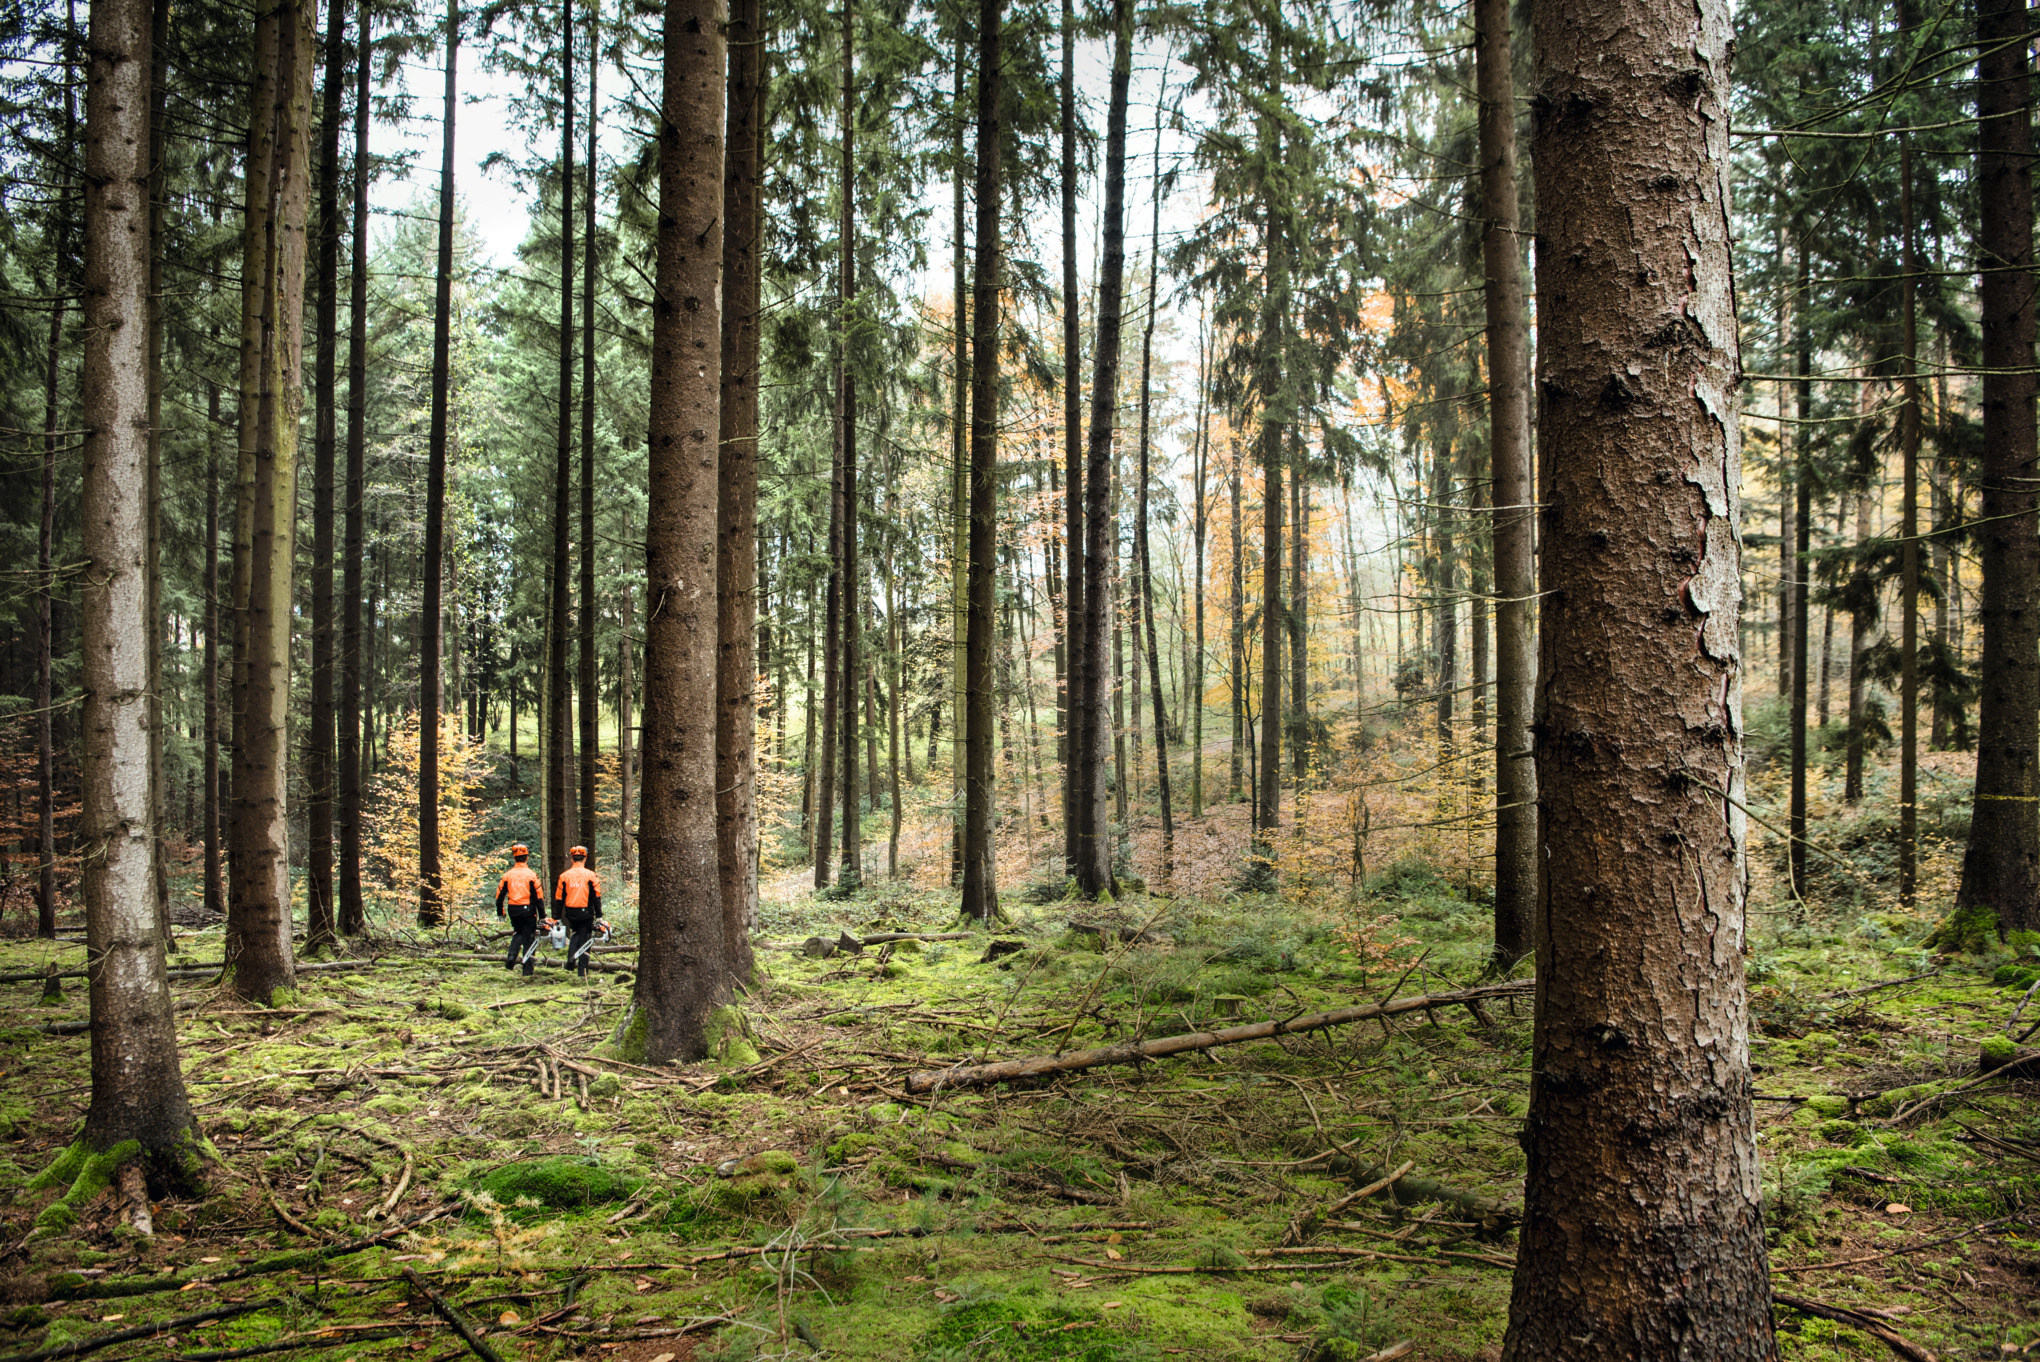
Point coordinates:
[[1140, 520], [46, 580], [2001, 865], [258, 946], [1297, 632], [431, 614], [852, 590], [1200, 524], [137, 1083], [562, 814], [209, 771], [1237, 672], [736, 568], [1268, 377], [683, 974], [625, 739], [1909, 558], [1091, 839], [1802, 570], [959, 468], [353, 915], [320, 918], [980, 881], [1075, 758], [152, 567], [1642, 1234], [591, 695], [1508, 357]]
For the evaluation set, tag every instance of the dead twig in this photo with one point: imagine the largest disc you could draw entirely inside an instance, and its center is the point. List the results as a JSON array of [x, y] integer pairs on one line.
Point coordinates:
[[1876, 1328], [445, 1311]]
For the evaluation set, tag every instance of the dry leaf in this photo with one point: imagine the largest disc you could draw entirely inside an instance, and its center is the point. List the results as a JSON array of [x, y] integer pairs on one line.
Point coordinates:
[[108, 1319], [1112, 1305], [642, 1284], [665, 1357], [509, 1317], [1114, 1254], [1114, 1238], [208, 1260], [1898, 1208]]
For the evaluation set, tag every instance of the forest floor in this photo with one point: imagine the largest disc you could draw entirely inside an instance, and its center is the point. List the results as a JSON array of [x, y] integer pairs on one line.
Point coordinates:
[[794, 1200]]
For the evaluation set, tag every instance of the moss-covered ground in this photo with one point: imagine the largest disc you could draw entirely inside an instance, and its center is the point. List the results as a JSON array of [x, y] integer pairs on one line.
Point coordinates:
[[804, 1205]]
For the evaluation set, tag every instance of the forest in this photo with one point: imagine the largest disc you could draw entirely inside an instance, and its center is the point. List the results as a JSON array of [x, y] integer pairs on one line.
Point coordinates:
[[1295, 680]]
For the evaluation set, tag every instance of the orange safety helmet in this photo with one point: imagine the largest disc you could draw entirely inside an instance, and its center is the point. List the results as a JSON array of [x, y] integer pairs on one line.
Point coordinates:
[[520, 851], [578, 853]]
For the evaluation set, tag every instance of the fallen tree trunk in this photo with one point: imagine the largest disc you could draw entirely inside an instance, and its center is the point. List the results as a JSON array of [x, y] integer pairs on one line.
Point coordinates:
[[1131, 1052]]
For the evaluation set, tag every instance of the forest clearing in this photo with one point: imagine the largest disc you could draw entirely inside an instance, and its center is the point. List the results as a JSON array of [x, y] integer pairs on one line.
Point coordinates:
[[1338, 680]]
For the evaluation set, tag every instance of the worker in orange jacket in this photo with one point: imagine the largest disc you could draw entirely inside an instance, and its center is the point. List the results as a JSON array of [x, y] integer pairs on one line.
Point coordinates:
[[522, 892], [577, 901]]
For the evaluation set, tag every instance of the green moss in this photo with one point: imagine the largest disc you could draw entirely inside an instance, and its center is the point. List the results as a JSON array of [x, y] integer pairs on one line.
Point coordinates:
[[1828, 1107], [629, 1040], [1973, 929], [1018, 1328], [561, 1182], [729, 1036], [849, 1147], [455, 1011], [1999, 1049]]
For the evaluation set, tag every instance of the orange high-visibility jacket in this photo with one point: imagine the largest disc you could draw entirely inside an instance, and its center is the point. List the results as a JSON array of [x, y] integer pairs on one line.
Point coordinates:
[[579, 891], [520, 887]]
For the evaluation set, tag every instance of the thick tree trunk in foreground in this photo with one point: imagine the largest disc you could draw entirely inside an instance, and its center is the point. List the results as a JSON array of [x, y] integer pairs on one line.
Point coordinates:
[[353, 916], [736, 567], [1642, 1236], [319, 765], [1268, 378], [137, 1084], [2001, 867], [1090, 835], [1508, 353], [682, 973], [431, 621], [258, 947], [959, 463], [980, 878]]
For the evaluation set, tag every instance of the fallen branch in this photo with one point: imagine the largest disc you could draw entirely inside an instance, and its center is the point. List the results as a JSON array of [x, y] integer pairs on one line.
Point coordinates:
[[1876, 1328], [452, 1316], [117, 1287], [301, 1343], [1132, 1052], [1306, 1224], [93, 1345]]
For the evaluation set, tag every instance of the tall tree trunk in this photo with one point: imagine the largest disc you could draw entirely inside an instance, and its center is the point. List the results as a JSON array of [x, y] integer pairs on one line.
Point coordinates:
[[1642, 1234], [258, 945], [738, 623], [2001, 865], [846, 418], [137, 1083], [1909, 558], [45, 562], [1508, 357], [1200, 524], [1092, 843], [1298, 631], [832, 664], [980, 883], [959, 467], [625, 739], [1862, 632], [1274, 311], [1140, 519], [562, 820], [1444, 594], [1075, 757], [320, 918], [896, 697], [1802, 570], [353, 915], [209, 775], [591, 701], [431, 614], [1238, 585], [682, 971], [152, 565]]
